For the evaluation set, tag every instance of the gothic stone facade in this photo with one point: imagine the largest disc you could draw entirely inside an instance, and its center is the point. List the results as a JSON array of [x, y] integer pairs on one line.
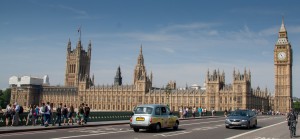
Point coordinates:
[[79, 88]]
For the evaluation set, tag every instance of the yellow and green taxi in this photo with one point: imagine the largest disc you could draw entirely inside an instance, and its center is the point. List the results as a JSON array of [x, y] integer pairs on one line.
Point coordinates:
[[153, 117]]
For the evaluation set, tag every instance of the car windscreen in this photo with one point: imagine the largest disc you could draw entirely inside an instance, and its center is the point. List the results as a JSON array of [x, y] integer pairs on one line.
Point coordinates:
[[143, 110], [239, 113]]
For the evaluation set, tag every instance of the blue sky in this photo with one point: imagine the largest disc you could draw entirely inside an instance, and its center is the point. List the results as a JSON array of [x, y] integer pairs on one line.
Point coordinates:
[[181, 40]]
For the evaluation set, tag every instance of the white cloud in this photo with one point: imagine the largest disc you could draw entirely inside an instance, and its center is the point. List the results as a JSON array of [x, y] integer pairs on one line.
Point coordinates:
[[185, 27], [269, 31], [293, 29], [157, 37], [77, 11], [169, 50], [79, 14]]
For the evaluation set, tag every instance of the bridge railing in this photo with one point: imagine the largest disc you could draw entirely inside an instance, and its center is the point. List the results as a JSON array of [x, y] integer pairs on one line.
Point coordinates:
[[95, 117]]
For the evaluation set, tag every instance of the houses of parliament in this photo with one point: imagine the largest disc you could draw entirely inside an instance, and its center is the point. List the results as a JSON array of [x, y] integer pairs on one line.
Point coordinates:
[[79, 86]]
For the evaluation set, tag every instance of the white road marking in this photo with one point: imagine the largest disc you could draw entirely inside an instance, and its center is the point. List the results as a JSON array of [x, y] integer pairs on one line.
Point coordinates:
[[255, 130], [78, 136], [265, 138], [207, 128], [172, 134], [26, 133]]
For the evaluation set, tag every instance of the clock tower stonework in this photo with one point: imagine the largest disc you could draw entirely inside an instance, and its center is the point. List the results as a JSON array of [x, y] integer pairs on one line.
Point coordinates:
[[283, 56]]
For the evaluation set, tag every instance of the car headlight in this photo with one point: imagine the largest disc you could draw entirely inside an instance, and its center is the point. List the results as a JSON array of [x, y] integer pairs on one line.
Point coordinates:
[[228, 120], [244, 120]]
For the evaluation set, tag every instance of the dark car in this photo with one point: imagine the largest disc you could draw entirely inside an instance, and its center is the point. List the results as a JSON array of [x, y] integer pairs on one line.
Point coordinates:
[[241, 118]]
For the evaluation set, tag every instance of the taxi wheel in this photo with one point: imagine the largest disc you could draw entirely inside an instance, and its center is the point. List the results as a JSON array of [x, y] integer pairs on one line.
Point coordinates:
[[175, 127], [157, 127], [136, 129]]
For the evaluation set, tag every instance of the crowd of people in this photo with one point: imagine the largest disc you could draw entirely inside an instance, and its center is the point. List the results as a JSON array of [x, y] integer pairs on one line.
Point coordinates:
[[45, 112], [184, 111]]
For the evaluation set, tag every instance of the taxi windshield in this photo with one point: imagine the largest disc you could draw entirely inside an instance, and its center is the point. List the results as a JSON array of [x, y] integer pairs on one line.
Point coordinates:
[[143, 110]]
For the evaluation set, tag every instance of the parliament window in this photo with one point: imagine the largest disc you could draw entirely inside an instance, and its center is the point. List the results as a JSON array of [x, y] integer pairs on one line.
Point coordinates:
[[203, 100], [178, 100], [156, 99], [128, 100], [212, 100]]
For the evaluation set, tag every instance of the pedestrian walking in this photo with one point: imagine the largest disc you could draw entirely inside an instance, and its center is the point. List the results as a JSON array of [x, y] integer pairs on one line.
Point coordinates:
[[200, 111], [70, 115], [80, 118], [35, 114], [42, 114], [194, 112], [13, 114], [8, 114], [65, 114], [51, 114], [204, 112], [16, 116], [181, 112], [187, 112], [213, 112], [46, 110], [58, 114], [86, 113], [29, 115]]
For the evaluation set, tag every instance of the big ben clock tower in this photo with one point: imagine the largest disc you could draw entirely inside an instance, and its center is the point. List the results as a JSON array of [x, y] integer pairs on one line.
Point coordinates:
[[283, 60]]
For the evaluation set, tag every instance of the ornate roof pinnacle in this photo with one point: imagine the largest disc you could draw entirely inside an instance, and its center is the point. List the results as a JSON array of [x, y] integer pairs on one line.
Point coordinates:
[[282, 28]]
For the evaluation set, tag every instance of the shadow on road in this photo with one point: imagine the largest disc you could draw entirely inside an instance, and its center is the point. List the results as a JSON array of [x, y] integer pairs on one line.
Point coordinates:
[[241, 128]]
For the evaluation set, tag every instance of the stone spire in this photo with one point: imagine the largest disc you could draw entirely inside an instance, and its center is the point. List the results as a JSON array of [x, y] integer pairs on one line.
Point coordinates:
[[140, 70], [141, 58], [90, 48], [69, 46], [118, 77], [282, 28], [282, 35]]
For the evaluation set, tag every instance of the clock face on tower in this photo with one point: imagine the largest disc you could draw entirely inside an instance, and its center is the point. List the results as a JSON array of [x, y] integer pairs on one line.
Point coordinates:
[[281, 56]]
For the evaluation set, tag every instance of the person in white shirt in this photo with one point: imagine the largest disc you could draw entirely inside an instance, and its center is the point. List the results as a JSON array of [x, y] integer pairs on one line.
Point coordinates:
[[15, 120], [46, 110], [42, 114], [8, 115]]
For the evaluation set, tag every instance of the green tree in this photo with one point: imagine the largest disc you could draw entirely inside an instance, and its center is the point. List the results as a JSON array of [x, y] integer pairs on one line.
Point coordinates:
[[296, 105], [5, 97]]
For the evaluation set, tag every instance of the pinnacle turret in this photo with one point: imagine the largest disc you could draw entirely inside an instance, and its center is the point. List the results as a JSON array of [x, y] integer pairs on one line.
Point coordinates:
[[282, 28]]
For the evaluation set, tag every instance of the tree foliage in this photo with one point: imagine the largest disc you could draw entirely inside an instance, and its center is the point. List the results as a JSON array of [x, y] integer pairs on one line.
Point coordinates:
[[296, 106], [5, 97]]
